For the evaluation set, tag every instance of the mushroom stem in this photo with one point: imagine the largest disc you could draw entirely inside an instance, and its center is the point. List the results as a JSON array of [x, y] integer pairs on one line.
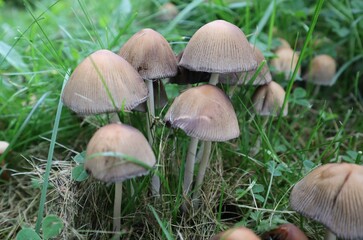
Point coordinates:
[[200, 153], [213, 80], [316, 91], [150, 100], [189, 165], [329, 235], [202, 169], [117, 210], [257, 146]]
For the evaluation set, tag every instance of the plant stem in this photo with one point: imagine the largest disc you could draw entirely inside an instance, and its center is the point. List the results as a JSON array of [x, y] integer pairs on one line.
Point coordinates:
[[202, 169], [213, 80], [117, 210], [189, 165]]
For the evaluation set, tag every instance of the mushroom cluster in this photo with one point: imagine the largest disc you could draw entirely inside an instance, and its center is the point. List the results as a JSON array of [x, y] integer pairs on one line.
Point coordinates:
[[218, 52]]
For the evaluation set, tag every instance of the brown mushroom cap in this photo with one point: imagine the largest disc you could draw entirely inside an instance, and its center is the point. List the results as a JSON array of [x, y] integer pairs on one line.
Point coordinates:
[[287, 231], [218, 47], [240, 78], [86, 94], [122, 139], [150, 54], [322, 70], [167, 12], [332, 194], [285, 62], [268, 99], [240, 233], [204, 112]]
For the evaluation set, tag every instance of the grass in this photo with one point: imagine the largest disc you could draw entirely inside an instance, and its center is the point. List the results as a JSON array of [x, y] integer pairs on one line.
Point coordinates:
[[49, 37]]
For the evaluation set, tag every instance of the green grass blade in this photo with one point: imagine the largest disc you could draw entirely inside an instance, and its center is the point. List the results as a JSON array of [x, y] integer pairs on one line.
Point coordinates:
[[23, 125], [165, 231], [49, 160]]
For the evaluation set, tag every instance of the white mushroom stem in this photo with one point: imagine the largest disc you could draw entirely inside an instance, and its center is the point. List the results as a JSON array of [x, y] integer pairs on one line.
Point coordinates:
[[150, 100], [257, 146], [202, 169], [189, 165], [329, 235], [213, 80], [117, 210]]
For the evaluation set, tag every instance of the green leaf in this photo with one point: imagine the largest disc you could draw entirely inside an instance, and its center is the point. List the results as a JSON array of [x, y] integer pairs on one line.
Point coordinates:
[[308, 165], [79, 158], [52, 226], [12, 57], [79, 174], [27, 234], [299, 93], [258, 188], [259, 197]]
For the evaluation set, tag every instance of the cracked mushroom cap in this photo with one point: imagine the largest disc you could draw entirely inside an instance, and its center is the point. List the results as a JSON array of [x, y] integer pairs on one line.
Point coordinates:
[[322, 70], [121, 139], [204, 112], [85, 92], [218, 47], [150, 54], [241, 78], [332, 194], [285, 62], [239, 233], [268, 100]]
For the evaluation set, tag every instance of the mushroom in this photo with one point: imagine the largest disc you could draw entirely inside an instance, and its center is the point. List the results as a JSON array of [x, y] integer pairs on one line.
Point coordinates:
[[104, 82], [151, 55], [332, 194], [285, 62], [321, 71], [241, 78], [167, 12], [268, 100], [204, 113], [218, 47], [287, 231], [237, 233], [117, 152]]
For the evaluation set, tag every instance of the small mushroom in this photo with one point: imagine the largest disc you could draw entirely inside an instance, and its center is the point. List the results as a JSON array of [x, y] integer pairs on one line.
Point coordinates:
[[218, 47], [3, 146], [285, 62], [117, 152], [204, 113], [104, 82], [321, 71], [332, 194], [237, 233]]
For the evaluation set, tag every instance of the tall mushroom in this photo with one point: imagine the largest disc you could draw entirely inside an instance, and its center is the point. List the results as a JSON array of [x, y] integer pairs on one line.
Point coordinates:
[[218, 47], [285, 62], [332, 194], [151, 55], [117, 152], [205, 113]]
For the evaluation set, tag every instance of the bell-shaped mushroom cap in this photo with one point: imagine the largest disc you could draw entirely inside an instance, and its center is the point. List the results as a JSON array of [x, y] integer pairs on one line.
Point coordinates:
[[263, 77], [268, 99], [283, 44], [160, 97], [322, 70], [85, 92], [332, 194], [119, 139], [285, 62], [218, 47], [240, 233], [186, 76], [287, 231], [167, 12], [3, 146], [150, 54], [204, 112]]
